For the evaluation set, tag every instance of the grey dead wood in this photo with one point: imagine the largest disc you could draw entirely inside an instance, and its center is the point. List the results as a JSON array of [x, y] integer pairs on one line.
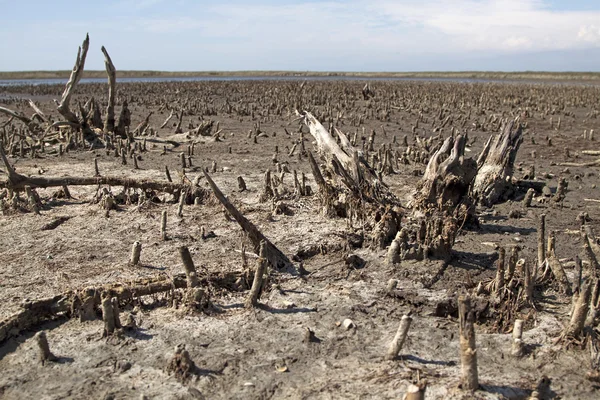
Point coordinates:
[[559, 273], [167, 120], [37, 312], [108, 317], [468, 352], [109, 123], [277, 259], [44, 348], [541, 242], [496, 163], [517, 335], [257, 283], [163, 225], [76, 74], [136, 250], [590, 254], [189, 267], [580, 312], [399, 339], [18, 182]]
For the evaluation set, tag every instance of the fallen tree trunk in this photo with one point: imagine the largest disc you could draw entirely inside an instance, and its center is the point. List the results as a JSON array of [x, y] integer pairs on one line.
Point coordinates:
[[37, 312], [18, 182], [277, 259]]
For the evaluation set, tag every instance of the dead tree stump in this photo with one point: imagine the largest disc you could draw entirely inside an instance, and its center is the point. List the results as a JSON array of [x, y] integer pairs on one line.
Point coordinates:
[[416, 392], [468, 352], [447, 177], [257, 283], [136, 250], [181, 365], [108, 316], [399, 339], [495, 165], [188, 265], [517, 335], [582, 306], [45, 353]]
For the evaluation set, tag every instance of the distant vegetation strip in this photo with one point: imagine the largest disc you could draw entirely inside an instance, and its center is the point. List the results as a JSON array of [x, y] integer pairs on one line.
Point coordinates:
[[526, 75]]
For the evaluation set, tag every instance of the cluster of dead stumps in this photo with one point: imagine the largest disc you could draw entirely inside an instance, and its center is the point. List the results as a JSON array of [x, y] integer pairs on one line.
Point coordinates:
[[350, 183]]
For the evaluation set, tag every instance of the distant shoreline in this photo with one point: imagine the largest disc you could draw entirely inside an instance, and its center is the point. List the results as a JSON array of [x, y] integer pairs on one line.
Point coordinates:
[[525, 75]]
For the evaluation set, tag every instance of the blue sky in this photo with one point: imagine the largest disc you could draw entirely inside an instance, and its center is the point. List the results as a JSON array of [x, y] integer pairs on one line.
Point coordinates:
[[332, 35]]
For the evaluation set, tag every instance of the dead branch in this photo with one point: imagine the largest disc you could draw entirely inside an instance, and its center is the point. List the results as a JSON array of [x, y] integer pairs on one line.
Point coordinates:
[[272, 253], [76, 74], [39, 113], [18, 182], [31, 125], [139, 130], [167, 120]]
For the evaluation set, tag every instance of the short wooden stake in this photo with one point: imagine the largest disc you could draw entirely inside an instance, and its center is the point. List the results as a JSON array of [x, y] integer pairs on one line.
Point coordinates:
[[188, 266], [136, 251], [468, 352], [181, 203], [399, 339], [163, 225], [500, 270], [257, 283], [45, 353], [416, 392], [528, 198], [116, 312], [108, 317], [541, 243], [575, 327], [590, 254], [517, 335], [241, 183]]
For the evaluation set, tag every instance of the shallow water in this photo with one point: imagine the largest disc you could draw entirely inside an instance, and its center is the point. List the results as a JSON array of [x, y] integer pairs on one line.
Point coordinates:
[[55, 81]]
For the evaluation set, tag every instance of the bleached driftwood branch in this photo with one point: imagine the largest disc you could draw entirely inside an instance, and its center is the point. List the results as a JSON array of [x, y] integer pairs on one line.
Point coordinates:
[[272, 253], [76, 74], [109, 123]]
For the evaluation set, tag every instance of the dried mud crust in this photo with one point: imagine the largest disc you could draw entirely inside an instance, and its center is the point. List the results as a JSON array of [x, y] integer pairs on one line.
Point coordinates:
[[263, 353]]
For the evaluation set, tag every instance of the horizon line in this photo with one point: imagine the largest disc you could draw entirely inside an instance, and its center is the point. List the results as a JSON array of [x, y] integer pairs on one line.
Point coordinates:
[[529, 74]]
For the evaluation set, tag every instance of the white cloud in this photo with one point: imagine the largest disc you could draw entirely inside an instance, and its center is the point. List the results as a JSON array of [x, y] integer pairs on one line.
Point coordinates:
[[437, 26], [589, 34], [517, 43], [330, 34], [495, 24], [408, 25]]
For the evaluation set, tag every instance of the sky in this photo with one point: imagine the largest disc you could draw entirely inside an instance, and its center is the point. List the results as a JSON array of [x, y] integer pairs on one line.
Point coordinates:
[[304, 35]]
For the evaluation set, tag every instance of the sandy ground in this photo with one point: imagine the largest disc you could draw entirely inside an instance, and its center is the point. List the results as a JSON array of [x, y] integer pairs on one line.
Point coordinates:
[[263, 353]]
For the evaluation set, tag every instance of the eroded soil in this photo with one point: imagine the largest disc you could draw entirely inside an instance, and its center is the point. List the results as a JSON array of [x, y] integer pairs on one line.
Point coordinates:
[[263, 353]]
